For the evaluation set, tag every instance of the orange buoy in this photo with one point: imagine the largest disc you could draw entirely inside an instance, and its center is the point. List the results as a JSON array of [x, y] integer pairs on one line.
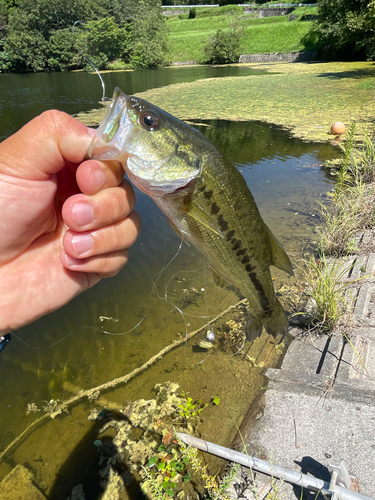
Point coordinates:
[[337, 128]]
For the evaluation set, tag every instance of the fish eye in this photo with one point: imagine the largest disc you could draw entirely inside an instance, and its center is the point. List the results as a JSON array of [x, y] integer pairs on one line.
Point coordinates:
[[149, 121]]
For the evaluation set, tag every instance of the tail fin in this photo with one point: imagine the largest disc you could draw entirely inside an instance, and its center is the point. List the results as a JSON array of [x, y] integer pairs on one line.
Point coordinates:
[[275, 324]]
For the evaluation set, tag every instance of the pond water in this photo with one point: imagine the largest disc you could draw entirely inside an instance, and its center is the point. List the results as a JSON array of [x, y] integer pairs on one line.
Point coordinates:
[[23, 96], [164, 292]]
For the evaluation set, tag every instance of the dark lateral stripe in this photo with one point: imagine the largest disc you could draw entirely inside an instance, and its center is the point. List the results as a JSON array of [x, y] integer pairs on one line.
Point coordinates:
[[208, 194], [230, 234], [215, 209], [262, 294], [222, 223], [237, 245], [250, 268]]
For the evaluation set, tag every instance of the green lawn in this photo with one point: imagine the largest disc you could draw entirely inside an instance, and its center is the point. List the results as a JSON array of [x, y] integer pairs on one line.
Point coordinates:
[[273, 34]]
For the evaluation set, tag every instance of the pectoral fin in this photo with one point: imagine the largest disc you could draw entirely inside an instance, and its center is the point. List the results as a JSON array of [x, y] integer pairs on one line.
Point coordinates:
[[279, 257], [200, 216], [178, 232], [219, 279]]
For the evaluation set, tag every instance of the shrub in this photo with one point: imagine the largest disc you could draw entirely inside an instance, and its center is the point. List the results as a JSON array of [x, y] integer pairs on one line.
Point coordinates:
[[192, 13], [224, 46]]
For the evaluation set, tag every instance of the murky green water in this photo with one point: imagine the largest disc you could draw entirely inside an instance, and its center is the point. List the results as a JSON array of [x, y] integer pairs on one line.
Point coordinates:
[[165, 291], [23, 96]]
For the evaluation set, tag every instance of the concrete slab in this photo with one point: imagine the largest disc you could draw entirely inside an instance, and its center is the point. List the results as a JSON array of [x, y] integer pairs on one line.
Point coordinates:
[[17, 485], [363, 306], [320, 406], [307, 433], [358, 361], [313, 353]]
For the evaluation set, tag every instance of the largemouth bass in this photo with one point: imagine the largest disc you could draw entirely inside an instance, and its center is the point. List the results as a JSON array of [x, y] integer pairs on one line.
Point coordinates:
[[204, 197]]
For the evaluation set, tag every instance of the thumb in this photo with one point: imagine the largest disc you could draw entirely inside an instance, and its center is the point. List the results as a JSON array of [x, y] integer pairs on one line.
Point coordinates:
[[42, 146]]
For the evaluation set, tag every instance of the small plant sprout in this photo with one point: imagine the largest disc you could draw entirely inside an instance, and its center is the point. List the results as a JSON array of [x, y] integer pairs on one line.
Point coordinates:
[[191, 410], [166, 469]]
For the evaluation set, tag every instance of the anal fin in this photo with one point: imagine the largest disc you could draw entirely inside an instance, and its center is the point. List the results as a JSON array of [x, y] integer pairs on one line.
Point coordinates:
[[219, 279], [279, 258]]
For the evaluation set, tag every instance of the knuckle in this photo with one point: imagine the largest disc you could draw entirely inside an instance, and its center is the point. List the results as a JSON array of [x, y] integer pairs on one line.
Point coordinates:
[[55, 119], [111, 264]]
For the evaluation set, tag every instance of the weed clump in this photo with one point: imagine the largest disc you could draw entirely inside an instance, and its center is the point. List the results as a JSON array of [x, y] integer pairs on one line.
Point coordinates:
[[325, 290], [353, 200], [352, 209]]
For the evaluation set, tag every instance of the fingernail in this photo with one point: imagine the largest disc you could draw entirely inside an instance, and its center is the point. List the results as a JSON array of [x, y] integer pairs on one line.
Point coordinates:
[[97, 179], [70, 261], [82, 243], [82, 214], [91, 131]]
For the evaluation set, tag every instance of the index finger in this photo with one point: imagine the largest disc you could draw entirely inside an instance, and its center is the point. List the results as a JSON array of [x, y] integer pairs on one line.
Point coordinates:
[[42, 147]]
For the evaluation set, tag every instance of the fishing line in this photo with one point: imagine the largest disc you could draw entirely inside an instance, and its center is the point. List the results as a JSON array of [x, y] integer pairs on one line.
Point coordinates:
[[104, 98], [100, 330]]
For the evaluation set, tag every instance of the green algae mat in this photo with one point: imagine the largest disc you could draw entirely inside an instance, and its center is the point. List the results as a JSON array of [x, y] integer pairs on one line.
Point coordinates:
[[304, 98]]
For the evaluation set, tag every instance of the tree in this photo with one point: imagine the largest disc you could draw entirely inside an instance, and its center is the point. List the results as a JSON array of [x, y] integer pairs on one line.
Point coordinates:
[[64, 50], [46, 15], [44, 34], [106, 41], [346, 29], [26, 51], [3, 15], [149, 43]]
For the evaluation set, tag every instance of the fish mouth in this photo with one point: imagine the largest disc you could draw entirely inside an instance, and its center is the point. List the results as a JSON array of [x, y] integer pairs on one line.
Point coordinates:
[[121, 137], [113, 132]]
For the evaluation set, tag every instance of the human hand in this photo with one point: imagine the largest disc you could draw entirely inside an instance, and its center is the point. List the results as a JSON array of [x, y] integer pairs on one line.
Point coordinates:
[[65, 223]]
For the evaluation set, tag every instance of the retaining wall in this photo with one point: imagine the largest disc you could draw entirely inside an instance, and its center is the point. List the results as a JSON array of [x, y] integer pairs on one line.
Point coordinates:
[[268, 13], [279, 57]]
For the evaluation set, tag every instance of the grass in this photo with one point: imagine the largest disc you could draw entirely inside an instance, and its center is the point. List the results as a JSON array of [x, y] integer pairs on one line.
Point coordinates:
[[367, 84], [353, 208], [325, 288], [272, 34], [353, 200], [291, 1]]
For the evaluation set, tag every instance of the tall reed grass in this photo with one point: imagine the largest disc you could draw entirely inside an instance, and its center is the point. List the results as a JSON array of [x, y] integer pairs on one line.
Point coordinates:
[[352, 209], [353, 200]]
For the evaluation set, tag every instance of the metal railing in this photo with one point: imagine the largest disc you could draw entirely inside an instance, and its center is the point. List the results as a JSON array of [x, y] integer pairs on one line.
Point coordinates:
[[336, 489], [253, 5], [187, 6], [277, 5]]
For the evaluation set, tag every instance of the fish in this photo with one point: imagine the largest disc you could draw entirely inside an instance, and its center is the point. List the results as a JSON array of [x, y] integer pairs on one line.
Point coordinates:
[[204, 197]]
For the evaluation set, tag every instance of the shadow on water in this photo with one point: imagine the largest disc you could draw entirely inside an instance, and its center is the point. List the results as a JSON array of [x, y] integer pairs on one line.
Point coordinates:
[[81, 467], [84, 467], [355, 73]]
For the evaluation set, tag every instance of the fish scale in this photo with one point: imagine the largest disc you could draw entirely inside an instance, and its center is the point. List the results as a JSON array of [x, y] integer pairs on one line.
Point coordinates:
[[235, 252], [204, 197]]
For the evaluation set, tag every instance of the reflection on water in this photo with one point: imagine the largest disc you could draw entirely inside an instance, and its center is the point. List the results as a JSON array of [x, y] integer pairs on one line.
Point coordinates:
[[165, 291], [24, 96]]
